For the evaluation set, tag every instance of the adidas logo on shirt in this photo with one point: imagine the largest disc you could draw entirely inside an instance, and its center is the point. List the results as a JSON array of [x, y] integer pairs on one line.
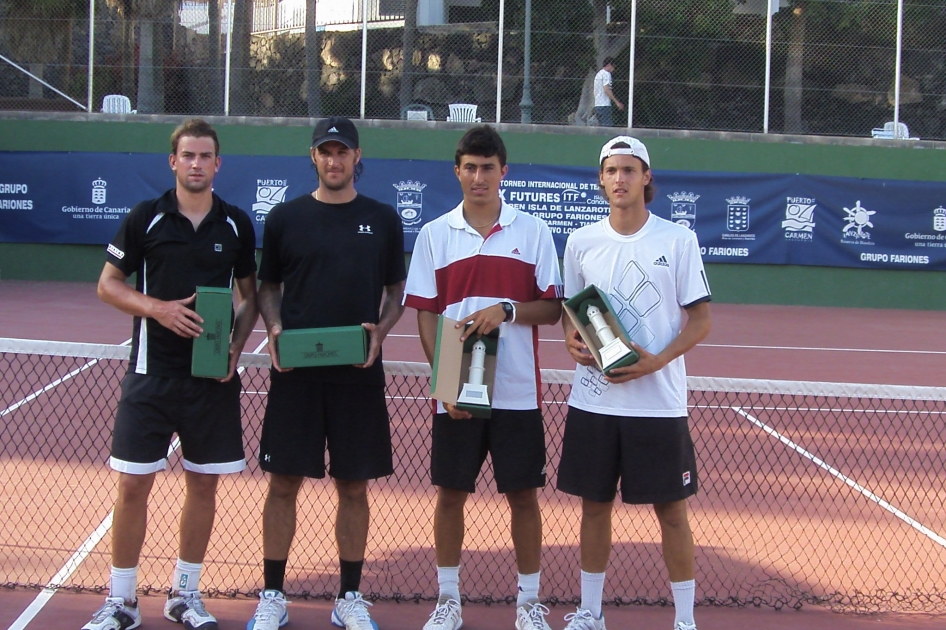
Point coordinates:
[[516, 252], [661, 262]]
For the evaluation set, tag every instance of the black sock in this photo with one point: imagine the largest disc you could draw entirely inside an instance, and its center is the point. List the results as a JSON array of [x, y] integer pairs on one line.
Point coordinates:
[[274, 574], [350, 576]]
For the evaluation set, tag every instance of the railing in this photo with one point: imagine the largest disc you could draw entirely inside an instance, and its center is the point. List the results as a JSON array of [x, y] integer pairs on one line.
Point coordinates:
[[828, 67]]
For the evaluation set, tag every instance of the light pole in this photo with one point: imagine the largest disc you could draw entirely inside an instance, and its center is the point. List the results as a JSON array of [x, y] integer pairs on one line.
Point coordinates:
[[525, 105]]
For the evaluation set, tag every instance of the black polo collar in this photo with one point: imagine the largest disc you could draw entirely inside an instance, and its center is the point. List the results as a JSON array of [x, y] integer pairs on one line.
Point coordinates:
[[167, 203]]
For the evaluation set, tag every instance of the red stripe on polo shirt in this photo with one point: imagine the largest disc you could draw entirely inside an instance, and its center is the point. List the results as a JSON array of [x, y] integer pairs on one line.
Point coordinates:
[[422, 303], [487, 276]]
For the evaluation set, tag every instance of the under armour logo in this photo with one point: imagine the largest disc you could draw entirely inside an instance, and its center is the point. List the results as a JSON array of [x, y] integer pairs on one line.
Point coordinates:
[[265, 458], [365, 229]]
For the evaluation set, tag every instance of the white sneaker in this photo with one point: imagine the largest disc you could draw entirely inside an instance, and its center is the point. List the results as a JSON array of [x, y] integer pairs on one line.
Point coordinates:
[[271, 611], [531, 616], [188, 608], [351, 612], [446, 615], [582, 619], [682, 625], [115, 614]]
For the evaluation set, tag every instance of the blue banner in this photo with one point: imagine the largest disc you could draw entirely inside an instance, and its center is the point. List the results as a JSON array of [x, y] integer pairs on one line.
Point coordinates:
[[739, 218]]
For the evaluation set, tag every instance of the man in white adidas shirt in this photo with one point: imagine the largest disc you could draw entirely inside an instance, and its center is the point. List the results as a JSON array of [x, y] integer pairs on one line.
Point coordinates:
[[487, 263], [632, 425]]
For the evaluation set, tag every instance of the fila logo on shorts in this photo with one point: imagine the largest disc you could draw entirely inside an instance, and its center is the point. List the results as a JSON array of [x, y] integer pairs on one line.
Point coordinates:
[[661, 262], [117, 253], [686, 478]]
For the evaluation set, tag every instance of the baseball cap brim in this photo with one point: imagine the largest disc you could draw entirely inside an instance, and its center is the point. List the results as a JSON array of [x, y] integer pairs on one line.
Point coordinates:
[[335, 137], [634, 147]]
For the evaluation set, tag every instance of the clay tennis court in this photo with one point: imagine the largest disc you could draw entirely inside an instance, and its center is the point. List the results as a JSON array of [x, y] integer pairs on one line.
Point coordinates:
[[770, 483]]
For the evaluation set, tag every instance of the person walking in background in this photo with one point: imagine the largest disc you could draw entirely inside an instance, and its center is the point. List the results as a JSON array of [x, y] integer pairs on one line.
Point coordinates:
[[186, 238], [486, 263], [330, 258], [631, 426], [604, 95]]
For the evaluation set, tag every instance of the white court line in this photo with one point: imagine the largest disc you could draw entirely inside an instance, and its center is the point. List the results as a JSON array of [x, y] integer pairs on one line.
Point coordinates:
[[741, 347], [906, 518], [93, 540]]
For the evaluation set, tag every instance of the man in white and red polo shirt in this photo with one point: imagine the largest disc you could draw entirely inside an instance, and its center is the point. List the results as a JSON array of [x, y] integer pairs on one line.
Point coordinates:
[[487, 264]]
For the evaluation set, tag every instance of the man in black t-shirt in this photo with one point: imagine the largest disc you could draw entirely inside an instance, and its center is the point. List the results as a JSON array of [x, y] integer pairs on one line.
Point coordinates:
[[330, 258], [186, 238]]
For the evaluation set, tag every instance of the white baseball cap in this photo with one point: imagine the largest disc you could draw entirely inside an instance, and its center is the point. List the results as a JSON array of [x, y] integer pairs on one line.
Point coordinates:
[[634, 147]]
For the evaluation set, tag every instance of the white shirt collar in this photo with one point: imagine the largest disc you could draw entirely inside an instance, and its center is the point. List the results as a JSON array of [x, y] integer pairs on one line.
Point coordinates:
[[456, 220]]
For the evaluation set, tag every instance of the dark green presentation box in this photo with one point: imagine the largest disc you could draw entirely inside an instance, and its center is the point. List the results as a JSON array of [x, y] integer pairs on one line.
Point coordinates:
[[576, 309], [308, 347], [211, 354]]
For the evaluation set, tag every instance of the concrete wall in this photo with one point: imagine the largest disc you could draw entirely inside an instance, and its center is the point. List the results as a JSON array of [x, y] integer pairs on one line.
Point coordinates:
[[669, 150]]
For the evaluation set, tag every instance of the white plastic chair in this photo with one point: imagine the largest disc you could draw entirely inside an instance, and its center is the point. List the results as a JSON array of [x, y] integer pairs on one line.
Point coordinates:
[[891, 131], [417, 111], [463, 112], [117, 104]]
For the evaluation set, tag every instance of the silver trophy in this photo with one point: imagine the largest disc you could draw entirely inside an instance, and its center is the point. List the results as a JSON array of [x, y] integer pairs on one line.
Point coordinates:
[[612, 348], [474, 392]]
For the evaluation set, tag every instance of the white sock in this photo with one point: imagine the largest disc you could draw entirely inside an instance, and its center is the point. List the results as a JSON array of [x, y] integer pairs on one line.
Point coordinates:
[[683, 595], [186, 576], [449, 580], [528, 587], [123, 583], [592, 588]]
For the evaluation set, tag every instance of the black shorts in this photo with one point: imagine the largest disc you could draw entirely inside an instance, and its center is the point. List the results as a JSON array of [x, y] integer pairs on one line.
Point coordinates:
[[653, 457], [301, 416], [204, 413], [515, 439]]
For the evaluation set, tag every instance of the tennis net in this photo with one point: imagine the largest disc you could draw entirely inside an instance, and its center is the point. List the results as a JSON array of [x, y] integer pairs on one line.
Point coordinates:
[[810, 493]]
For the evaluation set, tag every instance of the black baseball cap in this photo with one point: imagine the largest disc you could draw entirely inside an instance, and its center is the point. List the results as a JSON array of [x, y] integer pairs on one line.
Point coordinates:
[[335, 129]]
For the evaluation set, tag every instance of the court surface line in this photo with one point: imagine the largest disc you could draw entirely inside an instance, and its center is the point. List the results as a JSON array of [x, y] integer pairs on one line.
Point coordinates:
[[87, 547], [906, 518]]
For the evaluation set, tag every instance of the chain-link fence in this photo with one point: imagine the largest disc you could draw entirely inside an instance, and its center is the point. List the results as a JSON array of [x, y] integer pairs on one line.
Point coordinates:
[[829, 67], [810, 493]]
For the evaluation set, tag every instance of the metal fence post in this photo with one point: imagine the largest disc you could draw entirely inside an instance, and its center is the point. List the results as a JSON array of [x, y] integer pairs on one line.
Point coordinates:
[[896, 85], [364, 53], [525, 105], [91, 51], [630, 70], [226, 76], [768, 63], [499, 63]]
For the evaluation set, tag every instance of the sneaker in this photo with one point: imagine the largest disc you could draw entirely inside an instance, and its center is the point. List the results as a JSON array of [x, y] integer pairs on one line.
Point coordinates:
[[446, 615], [271, 611], [682, 625], [531, 616], [188, 608], [351, 612], [582, 619], [115, 615]]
